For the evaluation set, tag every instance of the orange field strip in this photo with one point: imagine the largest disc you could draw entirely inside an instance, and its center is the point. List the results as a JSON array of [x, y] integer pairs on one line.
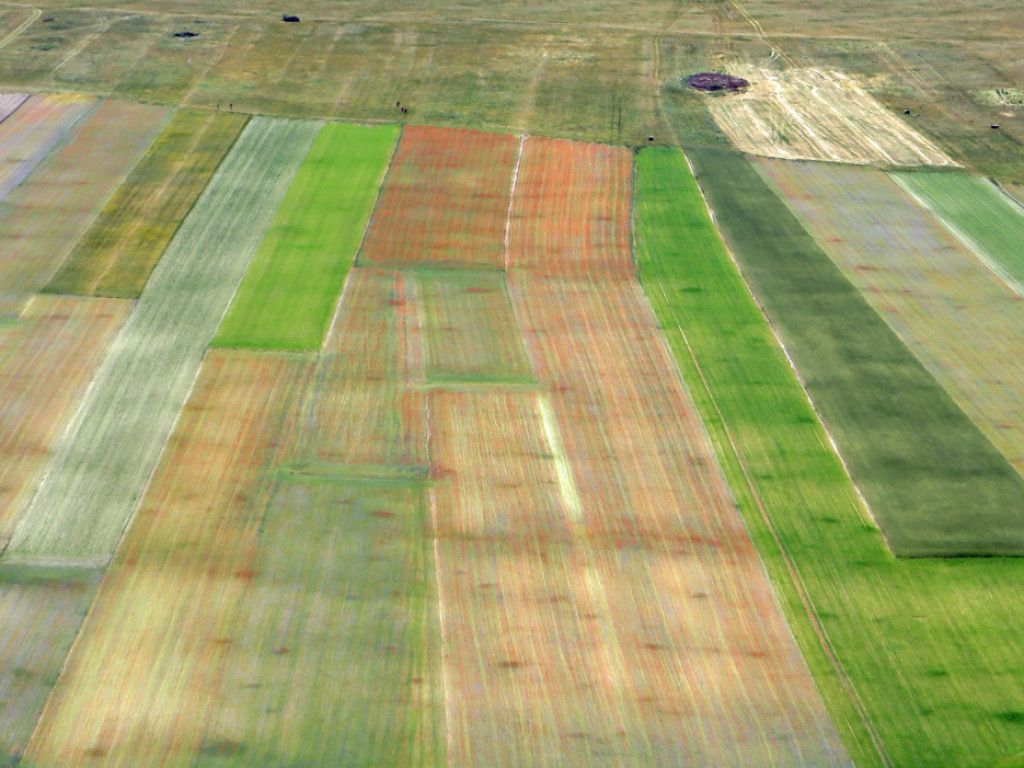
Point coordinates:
[[40, 614], [469, 330], [54, 206], [444, 199], [966, 327], [27, 134], [686, 648], [173, 589], [47, 359], [361, 410], [571, 211]]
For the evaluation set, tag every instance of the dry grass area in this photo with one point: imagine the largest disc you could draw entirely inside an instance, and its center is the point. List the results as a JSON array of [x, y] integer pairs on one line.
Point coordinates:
[[444, 200], [819, 115], [47, 359], [43, 218], [173, 591]]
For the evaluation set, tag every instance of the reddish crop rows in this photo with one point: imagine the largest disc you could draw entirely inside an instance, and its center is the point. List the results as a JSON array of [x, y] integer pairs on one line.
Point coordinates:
[[444, 200]]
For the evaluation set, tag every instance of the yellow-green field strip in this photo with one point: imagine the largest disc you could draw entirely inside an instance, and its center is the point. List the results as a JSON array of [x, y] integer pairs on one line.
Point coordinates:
[[99, 471], [979, 214], [118, 253], [919, 661], [966, 327], [935, 484], [288, 295]]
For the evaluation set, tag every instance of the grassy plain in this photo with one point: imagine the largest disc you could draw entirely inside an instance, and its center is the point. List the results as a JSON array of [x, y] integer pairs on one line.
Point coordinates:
[[289, 292], [966, 327], [991, 224], [117, 254], [934, 483], [99, 471], [917, 670]]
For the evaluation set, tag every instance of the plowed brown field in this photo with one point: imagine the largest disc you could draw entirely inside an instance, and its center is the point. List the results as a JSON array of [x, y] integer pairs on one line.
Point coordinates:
[[444, 200], [173, 590], [46, 361]]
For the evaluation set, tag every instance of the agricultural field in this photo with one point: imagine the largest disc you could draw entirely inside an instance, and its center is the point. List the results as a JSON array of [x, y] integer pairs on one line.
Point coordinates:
[[452, 384], [965, 326], [915, 658]]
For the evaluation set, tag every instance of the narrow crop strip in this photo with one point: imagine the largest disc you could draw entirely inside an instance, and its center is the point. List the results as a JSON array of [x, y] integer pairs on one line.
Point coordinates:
[[289, 292]]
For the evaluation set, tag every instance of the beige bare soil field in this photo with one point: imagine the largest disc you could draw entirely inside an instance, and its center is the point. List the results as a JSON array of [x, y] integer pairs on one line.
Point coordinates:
[[172, 593], [43, 218], [964, 324], [47, 358], [444, 200], [818, 115]]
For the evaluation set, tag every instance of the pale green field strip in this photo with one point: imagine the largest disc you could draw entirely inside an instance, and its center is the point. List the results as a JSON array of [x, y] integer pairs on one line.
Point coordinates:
[[100, 469], [289, 293], [334, 657], [966, 328], [172, 593], [926, 648], [117, 254], [935, 485], [27, 135], [469, 330], [40, 612], [45, 215], [47, 359], [978, 213]]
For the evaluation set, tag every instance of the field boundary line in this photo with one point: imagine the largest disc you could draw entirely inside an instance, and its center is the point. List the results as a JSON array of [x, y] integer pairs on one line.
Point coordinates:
[[980, 253], [511, 200], [812, 614], [376, 200]]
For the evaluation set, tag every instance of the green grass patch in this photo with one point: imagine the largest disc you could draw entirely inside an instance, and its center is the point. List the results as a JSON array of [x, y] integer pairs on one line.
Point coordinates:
[[934, 483], [979, 213], [289, 292], [926, 649], [118, 252]]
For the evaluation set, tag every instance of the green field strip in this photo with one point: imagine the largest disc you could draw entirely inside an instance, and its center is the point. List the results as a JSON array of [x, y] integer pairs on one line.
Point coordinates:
[[41, 611], [292, 286], [117, 254], [935, 485], [923, 651], [979, 214], [101, 468], [335, 660], [469, 329], [355, 474]]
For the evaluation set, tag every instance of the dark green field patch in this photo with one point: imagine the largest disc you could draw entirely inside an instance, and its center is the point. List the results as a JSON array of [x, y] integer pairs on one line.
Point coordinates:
[[935, 484], [289, 292], [120, 249]]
